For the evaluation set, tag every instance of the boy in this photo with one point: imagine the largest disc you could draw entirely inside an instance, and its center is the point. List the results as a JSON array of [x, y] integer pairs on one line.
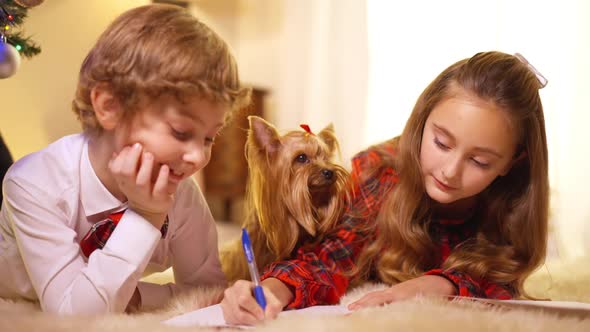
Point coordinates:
[[83, 218]]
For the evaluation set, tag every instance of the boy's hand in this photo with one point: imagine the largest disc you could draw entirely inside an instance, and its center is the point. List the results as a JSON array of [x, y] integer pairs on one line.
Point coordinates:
[[132, 170], [240, 307], [424, 285]]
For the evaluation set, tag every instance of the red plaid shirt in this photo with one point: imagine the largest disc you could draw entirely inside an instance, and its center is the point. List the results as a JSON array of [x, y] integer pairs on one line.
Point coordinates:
[[317, 275]]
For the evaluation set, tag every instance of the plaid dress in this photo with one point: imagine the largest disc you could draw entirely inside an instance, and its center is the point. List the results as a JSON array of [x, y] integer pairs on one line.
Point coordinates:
[[317, 275]]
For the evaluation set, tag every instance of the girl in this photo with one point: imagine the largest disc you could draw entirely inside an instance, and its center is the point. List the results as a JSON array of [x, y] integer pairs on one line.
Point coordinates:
[[456, 205]]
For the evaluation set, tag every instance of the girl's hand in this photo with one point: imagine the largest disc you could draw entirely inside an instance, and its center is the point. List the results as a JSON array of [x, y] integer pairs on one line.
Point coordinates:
[[132, 170], [424, 285], [240, 307]]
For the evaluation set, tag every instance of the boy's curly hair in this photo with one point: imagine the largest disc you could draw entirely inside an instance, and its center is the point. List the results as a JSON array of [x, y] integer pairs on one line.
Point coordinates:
[[153, 50]]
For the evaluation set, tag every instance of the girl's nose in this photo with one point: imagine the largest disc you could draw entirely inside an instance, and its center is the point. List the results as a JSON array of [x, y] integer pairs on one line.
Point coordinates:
[[452, 168]]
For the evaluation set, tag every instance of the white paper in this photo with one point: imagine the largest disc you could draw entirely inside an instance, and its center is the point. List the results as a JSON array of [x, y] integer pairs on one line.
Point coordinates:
[[553, 304], [213, 315], [208, 316], [528, 303]]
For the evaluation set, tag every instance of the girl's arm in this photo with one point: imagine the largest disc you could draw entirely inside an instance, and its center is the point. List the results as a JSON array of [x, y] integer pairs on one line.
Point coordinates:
[[465, 284], [320, 275], [316, 276], [471, 287]]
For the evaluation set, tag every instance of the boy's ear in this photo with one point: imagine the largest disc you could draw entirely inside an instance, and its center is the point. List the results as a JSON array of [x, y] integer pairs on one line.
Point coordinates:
[[106, 107], [327, 135], [263, 134]]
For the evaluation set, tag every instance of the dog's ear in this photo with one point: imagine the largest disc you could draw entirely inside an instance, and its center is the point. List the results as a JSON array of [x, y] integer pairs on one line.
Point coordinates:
[[263, 134], [327, 135]]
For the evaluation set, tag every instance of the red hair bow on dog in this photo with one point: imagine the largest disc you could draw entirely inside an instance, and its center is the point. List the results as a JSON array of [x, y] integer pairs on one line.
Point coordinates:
[[306, 128]]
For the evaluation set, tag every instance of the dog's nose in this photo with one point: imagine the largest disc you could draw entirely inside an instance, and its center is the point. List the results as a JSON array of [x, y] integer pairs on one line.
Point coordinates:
[[327, 174]]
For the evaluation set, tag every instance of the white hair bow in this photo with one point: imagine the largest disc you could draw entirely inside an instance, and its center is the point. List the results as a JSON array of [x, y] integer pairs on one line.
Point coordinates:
[[542, 80]]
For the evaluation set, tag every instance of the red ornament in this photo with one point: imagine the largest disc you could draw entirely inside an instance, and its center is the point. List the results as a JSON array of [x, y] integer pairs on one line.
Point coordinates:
[[10, 17], [306, 128]]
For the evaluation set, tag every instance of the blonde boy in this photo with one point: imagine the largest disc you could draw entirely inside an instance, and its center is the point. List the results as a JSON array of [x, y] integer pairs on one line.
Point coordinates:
[[84, 218]]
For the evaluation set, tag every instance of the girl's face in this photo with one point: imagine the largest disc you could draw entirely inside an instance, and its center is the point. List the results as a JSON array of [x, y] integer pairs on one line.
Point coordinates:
[[466, 144], [179, 135]]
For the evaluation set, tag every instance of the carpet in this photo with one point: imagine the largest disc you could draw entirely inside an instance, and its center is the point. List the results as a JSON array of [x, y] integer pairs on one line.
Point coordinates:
[[556, 280]]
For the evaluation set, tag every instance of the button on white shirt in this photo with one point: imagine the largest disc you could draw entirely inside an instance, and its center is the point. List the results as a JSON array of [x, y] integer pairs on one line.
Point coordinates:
[[51, 199]]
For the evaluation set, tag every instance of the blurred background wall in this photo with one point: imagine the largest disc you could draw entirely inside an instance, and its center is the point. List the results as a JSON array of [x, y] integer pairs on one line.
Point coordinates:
[[359, 64]]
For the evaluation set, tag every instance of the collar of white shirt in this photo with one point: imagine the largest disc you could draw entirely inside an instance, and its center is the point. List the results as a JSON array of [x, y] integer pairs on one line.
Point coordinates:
[[96, 200]]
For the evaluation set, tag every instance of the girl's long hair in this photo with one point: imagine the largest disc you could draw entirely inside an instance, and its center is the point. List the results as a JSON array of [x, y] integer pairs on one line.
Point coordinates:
[[511, 236]]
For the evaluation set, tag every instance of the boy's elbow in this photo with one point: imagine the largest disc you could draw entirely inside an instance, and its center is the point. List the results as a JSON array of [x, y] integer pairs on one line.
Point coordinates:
[[89, 306]]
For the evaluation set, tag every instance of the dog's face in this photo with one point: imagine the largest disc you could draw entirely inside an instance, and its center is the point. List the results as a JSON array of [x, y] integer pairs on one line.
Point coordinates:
[[297, 171], [309, 160]]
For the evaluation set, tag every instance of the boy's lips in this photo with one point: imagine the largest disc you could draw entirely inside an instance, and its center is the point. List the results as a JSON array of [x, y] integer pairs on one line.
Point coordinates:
[[175, 176]]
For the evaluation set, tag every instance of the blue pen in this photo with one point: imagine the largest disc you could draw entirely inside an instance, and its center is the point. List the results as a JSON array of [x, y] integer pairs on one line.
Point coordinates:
[[258, 293]]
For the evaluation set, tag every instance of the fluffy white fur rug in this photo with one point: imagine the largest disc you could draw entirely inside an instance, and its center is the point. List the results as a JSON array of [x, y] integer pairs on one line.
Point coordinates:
[[558, 281], [565, 282]]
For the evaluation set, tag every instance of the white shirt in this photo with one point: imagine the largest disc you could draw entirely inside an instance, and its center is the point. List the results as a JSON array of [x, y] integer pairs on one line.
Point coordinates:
[[51, 199]]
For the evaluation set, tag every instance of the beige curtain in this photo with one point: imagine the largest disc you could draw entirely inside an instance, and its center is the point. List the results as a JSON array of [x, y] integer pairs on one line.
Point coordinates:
[[327, 40]]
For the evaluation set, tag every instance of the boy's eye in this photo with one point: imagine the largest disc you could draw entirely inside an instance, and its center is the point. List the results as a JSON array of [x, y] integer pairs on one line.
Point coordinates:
[[440, 144], [181, 135], [302, 158], [209, 140]]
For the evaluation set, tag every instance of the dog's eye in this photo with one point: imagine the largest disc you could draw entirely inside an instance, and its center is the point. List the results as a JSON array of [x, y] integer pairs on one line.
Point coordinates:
[[302, 158]]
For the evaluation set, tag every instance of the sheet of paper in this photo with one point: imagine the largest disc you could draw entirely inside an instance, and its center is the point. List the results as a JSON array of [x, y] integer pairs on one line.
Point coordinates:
[[554, 304], [208, 316], [547, 304], [560, 308], [213, 316]]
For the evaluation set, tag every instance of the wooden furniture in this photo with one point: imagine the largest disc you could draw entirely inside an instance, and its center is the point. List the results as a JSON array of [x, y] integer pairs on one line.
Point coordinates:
[[226, 174]]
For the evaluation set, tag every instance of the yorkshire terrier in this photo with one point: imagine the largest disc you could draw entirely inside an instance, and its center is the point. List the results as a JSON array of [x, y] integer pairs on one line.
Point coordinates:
[[295, 194]]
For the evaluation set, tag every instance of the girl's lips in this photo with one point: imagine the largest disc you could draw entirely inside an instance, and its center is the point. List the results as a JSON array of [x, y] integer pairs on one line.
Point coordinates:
[[442, 186]]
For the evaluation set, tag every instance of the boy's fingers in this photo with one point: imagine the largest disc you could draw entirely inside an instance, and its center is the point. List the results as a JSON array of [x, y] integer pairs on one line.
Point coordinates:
[[162, 181], [144, 174], [130, 163], [115, 164]]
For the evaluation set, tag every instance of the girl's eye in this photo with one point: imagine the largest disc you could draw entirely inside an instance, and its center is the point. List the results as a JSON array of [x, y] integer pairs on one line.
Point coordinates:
[[302, 158], [181, 135], [480, 164], [440, 144]]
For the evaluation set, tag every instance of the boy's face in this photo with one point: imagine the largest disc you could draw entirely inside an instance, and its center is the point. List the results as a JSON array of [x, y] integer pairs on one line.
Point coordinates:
[[179, 135], [466, 144]]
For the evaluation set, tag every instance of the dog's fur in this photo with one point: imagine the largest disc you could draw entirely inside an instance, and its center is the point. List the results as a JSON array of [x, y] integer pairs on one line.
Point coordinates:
[[295, 194]]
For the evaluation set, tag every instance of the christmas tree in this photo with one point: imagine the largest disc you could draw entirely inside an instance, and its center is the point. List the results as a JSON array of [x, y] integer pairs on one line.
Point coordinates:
[[12, 15], [13, 43]]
